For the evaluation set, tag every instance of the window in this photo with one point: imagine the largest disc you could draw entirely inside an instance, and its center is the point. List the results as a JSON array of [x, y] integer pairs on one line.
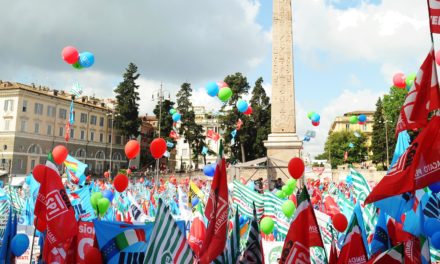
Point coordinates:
[[101, 121], [118, 139], [364, 127], [37, 128], [100, 154], [109, 139], [101, 137], [81, 153], [38, 109], [92, 136], [7, 124], [23, 126], [83, 118], [51, 111], [49, 130], [34, 149], [110, 123], [61, 134], [62, 113], [9, 105], [72, 133], [93, 120], [347, 127], [20, 163], [32, 164], [24, 108], [82, 134]]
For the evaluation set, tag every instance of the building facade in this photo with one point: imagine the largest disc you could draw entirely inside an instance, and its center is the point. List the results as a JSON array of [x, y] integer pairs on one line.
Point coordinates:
[[342, 123], [33, 121], [209, 121]]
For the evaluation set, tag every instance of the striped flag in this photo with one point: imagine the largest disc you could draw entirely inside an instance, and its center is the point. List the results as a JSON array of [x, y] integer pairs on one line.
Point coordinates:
[[393, 255], [253, 253], [244, 197], [232, 251], [272, 205], [435, 254], [129, 237], [167, 244], [325, 224]]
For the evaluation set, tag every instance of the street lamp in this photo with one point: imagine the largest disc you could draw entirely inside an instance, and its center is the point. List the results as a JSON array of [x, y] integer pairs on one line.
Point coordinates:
[[386, 141], [160, 95]]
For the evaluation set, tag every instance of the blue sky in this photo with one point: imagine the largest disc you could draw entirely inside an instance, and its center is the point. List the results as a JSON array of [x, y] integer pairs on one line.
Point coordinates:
[[345, 51]]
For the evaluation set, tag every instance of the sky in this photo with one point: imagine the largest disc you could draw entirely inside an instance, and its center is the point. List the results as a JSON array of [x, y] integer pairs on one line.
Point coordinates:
[[345, 51]]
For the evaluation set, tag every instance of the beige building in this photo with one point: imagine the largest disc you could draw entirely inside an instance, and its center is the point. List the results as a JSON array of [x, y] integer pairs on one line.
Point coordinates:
[[341, 123], [33, 120]]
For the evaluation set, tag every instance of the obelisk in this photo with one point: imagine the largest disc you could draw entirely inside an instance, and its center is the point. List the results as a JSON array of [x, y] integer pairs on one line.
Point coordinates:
[[282, 143]]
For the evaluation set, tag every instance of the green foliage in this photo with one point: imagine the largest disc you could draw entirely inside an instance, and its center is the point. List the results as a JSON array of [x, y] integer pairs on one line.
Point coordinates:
[[192, 131], [378, 143], [338, 143], [127, 107], [230, 115], [166, 122]]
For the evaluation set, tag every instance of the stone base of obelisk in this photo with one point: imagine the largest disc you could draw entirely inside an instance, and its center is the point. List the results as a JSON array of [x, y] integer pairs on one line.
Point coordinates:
[[281, 147]]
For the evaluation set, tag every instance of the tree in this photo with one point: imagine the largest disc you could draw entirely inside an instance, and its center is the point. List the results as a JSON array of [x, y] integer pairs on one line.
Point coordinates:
[[230, 115], [339, 142], [192, 131], [127, 107], [378, 143], [166, 122], [392, 103], [259, 122]]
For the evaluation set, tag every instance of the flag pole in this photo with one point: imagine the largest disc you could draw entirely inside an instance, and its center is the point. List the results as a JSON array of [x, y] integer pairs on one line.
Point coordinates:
[[33, 239]]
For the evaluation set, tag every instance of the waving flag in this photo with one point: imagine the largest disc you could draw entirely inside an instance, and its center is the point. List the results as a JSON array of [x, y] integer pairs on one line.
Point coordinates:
[[168, 243], [353, 249], [75, 170], [381, 240], [216, 212], [416, 168], [422, 98], [244, 198], [253, 253], [434, 15], [81, 203], [197, 233]]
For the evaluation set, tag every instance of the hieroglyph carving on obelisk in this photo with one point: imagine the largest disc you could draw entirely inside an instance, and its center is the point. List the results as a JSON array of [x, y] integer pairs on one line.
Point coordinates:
[[283, 94]]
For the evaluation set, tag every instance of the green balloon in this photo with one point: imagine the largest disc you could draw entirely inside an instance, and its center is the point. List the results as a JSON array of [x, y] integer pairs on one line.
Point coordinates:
[[310, 114], [224, 94], [289, 190], [288, 208], [291, 183], [173, 111], [353, 120], [103, 205], [267, 225], [285, 189], [94, 199], [410, 79], [280, 194], [77, 66]]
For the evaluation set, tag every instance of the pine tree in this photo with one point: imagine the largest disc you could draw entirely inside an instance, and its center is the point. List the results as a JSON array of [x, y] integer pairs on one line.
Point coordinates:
[[165, 119], [378, 143], [192, 131], [230, 115], [127, 107]]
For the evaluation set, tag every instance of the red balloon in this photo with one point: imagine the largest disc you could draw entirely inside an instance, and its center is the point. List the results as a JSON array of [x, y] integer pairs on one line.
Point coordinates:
[[340, 222], [399, 80], [293, 199], [59, 154], [121, 182], [132, 148], [222, 84], [437, 57], [315, 123], [158, 147], [92, 255], [70, 54], [128, 171], [106, 174], [141, 180], [248, 111], [296, 168], [39, 172]]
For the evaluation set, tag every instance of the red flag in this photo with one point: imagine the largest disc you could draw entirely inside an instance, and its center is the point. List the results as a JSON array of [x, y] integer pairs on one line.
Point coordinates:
[[212, 135], [434, 15], [396, 233], [67, 134], [53, 205], [331, 207], [197, 234], [333, 254], [217, 213], [65, 252], [423, 97], [353, 250], [86, 238], [418, 166], [412, 251], [303, 233]]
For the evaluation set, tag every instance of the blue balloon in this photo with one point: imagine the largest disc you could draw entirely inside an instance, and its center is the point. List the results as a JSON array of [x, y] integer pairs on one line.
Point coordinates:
[[176, 117], [316, 117], [431, 226], [170, 144], [435, 240], [19, 244], [362, 118], [108, 194], [86, 59], [435, 187], [195, 201], [242, 105], [212, 89], [208, 170]]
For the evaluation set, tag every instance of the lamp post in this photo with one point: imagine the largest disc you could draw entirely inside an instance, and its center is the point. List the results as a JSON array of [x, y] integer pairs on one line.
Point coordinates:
[[111, 139], [160, 95]]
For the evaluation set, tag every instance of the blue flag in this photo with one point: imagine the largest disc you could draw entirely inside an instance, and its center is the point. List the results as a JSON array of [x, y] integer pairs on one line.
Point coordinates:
[[415, 218], [75, 170], [395, 206], [27, 217], [381, 239], [360, 220], [81, 204], [5, 249], [71, 115]]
